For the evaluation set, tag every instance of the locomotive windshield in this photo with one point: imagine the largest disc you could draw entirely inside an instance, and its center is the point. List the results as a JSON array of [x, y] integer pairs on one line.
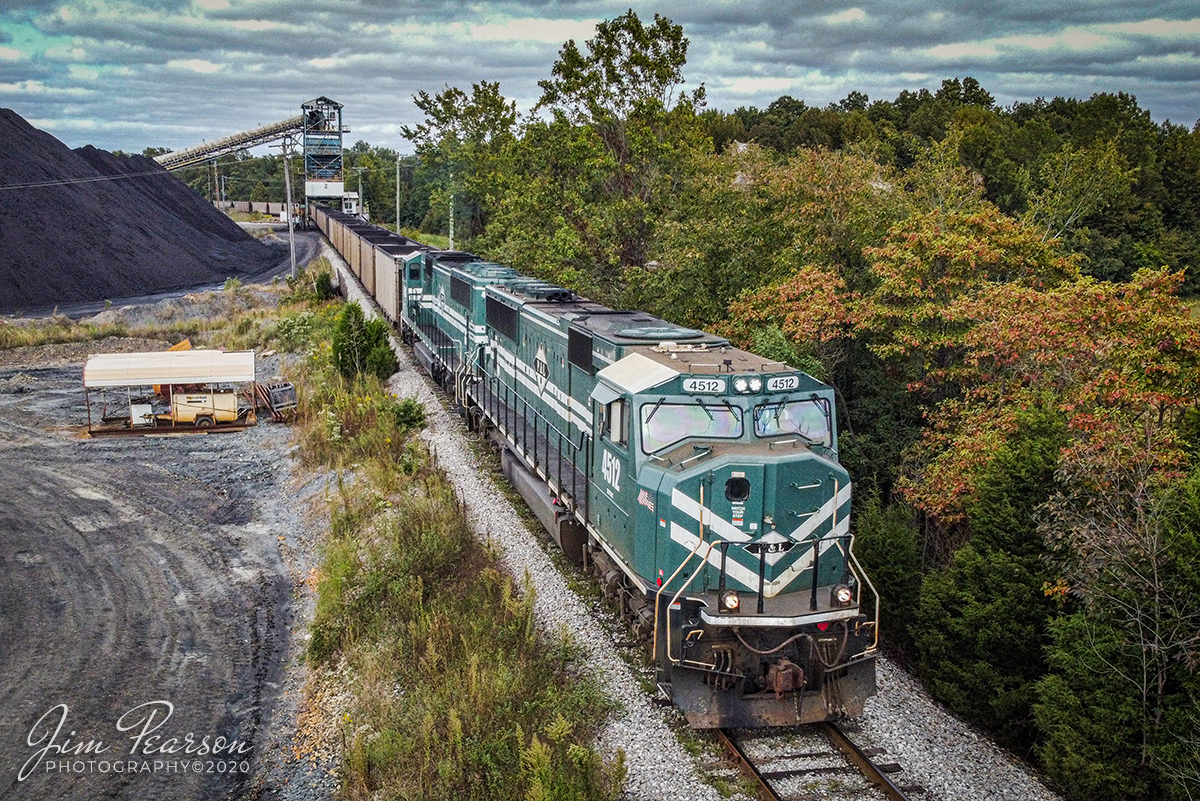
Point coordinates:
[[808, 418], [665, 424]]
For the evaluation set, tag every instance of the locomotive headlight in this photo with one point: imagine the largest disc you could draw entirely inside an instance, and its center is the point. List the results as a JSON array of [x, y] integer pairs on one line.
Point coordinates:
[[729, 601], [755, 384], [843, 594], [740, 384]]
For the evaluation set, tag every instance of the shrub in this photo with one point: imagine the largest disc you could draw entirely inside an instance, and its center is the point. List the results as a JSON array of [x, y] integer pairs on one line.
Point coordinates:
[[323, 285], [361, 345]]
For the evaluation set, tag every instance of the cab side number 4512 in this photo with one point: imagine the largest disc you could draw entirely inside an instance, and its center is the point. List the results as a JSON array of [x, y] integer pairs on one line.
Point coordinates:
[[610, 466]]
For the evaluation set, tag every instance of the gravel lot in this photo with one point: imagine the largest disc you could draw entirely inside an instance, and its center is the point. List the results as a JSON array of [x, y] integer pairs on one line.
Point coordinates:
[[166, 571]]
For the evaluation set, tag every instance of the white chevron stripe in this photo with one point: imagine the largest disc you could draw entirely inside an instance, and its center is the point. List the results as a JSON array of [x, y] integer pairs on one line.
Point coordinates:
[[723, 528], [726, 531], [805, 529], [738, 572]]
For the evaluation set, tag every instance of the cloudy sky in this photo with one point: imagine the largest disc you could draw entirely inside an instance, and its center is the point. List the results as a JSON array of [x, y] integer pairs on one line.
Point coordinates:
[[126, 74]]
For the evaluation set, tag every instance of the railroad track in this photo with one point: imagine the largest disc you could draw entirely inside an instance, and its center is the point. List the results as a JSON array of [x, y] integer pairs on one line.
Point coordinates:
[[816, 761]]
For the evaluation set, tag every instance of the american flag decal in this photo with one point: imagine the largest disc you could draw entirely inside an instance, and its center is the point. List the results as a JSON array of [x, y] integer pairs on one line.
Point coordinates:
[[645, 499]]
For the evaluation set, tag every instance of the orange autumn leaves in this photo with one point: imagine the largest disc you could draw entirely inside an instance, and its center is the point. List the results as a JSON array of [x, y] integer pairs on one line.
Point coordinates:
[[984, 319]]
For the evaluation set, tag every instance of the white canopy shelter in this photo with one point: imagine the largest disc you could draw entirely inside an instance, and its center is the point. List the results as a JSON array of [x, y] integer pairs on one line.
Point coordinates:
[[168, 367]]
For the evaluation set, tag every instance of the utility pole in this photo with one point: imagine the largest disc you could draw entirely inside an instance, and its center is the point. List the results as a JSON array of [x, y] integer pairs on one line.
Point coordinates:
[[397, 191], [286, 146], [452, 211]]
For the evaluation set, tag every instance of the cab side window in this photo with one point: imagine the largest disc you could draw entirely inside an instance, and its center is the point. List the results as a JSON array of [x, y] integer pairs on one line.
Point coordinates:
[[616, 422]]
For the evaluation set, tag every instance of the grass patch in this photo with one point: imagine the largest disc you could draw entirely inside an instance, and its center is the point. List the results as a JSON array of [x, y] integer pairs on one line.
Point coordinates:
[[56, 329], [454, 694]]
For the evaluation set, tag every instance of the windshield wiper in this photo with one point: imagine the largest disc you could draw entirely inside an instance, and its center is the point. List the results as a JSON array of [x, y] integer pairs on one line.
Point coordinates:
[[650, 416], [706, 411]]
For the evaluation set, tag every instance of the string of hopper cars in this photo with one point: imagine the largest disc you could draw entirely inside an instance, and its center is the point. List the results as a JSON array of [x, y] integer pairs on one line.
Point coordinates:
[[698, 482]]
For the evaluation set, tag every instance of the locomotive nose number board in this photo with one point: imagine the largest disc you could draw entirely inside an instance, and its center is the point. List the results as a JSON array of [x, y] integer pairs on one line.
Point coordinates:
[[780, 383], [707, 386]]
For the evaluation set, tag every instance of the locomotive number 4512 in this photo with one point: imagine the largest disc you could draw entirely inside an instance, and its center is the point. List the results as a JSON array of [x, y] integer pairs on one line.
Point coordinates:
[[708, 386], [611, 467], [779, 383]]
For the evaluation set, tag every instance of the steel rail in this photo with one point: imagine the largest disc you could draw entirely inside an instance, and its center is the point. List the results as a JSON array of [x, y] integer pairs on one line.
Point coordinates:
[[860, 761], [855, 757], [765, 792]]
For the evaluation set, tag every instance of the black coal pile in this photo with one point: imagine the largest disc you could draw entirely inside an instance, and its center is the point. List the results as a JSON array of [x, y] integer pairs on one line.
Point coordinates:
[[70, 233]]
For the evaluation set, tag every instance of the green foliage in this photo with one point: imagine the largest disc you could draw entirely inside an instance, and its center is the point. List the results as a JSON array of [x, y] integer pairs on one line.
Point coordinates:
[[296, 332], [748, 220], [979, 636], [579, 194], [323, 285], [771, 343], [361, 345], [412, 602], [628, 66], [888, 544], [381, 361], [981, 625], [408, 414], [1075, 184], [458, 145], [1090, 725], [1133, 545]]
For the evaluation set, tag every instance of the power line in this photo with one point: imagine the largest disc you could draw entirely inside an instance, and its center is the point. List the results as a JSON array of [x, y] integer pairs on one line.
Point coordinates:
[[67, 181]]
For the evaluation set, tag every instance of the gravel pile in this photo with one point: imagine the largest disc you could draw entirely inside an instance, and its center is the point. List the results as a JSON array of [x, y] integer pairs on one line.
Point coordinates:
[[936, 750], [70, 235]]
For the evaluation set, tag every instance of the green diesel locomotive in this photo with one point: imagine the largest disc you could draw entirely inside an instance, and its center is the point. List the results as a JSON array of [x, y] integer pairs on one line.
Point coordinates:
[[698, 482]]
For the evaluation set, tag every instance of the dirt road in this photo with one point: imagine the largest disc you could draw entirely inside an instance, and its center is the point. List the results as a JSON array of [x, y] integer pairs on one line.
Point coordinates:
[[145, 607]]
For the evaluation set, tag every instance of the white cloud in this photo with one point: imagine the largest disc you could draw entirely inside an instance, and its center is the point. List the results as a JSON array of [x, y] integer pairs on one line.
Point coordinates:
[[849, 15], [960, 50], [10, 54], [1167, 29], [755, 85], [194, 65], [212, 5], [550, 31], [41, 88], [254, 25], [84, 72]]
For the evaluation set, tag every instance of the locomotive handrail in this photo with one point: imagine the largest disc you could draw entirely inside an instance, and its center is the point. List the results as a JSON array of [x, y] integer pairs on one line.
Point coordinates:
[[701, 452], [863, 577], [663, 586]]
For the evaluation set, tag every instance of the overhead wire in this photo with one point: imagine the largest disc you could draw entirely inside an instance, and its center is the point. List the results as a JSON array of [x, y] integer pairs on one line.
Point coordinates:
[[93, 179]]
